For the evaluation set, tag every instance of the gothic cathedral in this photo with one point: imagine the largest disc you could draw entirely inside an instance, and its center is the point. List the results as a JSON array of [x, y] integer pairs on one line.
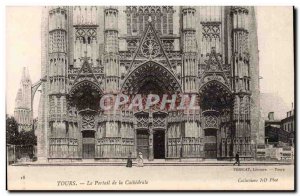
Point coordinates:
[[89, 52]]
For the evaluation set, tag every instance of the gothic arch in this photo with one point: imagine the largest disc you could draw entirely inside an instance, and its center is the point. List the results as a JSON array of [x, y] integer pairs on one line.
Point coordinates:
[[151, 71], [80, 84], [216, 82], [85, 94], [215, 95]]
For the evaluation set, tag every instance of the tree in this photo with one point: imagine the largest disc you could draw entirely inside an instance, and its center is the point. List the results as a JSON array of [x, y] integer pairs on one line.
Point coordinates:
[[11, 131], [27, 138], [14, 137]]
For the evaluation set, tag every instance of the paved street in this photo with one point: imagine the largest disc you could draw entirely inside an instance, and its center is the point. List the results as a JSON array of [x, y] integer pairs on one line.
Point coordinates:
[[151, 177]]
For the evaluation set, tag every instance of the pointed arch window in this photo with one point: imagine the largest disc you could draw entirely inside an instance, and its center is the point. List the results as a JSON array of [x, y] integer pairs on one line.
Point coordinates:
[[128, 23], [165, 25], [170, 23], [134, 21], [137, 19]]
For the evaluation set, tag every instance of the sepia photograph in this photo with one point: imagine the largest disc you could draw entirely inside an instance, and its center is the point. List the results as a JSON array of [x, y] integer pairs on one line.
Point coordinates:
[[132, 98]]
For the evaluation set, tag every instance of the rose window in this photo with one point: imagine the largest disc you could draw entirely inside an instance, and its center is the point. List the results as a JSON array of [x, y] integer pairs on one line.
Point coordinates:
[[150, 48]]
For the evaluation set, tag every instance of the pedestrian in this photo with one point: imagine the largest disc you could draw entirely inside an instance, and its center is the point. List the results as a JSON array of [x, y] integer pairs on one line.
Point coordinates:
[[129, 161], [237, 159], [140, 161], [181, 154]]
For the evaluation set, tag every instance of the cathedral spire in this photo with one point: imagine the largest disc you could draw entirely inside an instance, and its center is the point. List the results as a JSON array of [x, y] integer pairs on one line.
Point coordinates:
[[25, 75], [18, 100], [23, 110]]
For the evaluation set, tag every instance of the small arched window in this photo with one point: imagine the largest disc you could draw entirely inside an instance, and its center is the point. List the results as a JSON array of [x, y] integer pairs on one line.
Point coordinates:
[[83, 40], [89, 40]]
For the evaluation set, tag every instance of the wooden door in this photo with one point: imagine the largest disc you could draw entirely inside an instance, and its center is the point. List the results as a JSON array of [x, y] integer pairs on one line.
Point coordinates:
[[88, 144], [159, 145], [210, 146], [143, 143], [88, 151]]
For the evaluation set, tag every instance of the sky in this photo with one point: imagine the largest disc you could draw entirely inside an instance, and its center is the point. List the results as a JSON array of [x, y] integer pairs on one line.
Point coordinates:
[[276, 56], [275, 44]]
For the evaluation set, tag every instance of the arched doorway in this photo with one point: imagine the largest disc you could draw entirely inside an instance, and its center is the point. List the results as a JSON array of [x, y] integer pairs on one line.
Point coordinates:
[[85, 94], [84, 102], [151, 78], [216, 105]]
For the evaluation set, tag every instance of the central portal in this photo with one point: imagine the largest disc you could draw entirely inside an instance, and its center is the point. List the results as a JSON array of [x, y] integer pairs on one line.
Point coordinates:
[[159, 144], [151, 78]]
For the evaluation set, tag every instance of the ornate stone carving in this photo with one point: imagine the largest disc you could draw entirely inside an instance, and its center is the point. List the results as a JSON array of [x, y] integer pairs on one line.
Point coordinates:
[[214, 63], [85, 32], [159, 122], [132, 45], [142, 122], [168, 45], [86, 73], [57, 41], [150, 48], [88, 121], [213, 70], [211, 30], [211, 121]]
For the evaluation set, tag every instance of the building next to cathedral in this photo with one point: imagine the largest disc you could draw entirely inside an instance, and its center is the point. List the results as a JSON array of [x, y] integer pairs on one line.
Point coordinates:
[[89, 52], [23, 107]]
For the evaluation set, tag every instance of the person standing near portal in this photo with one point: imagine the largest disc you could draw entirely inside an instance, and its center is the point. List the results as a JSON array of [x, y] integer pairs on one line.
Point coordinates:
[[237, 159], [140, 161], [129, 161]]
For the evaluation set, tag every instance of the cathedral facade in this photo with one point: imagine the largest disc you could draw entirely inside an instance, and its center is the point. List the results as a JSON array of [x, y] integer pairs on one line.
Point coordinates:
[[89, 52]]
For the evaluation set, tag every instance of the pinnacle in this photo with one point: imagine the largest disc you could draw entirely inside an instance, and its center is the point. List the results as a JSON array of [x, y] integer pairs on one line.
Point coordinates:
[[25, 74]]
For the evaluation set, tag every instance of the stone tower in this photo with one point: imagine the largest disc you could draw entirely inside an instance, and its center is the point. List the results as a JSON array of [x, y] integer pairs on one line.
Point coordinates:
[[90, 52], [23, 107]]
